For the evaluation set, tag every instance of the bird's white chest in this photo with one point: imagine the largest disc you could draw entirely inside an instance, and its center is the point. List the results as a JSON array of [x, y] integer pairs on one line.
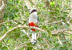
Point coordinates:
[[33, 18]]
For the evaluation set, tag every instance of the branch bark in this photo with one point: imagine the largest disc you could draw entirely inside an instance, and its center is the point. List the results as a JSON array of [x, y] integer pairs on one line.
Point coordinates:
[[24, 26], [2, 7], [19, 26]]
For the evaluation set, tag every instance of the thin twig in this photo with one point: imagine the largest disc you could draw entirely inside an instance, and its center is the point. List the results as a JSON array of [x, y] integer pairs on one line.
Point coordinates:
[[59, 40], [55, 22], [22, 45], [11, 21]]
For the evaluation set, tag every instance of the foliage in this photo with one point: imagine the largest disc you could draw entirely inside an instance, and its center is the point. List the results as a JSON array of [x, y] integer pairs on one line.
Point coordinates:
[[51, 19]]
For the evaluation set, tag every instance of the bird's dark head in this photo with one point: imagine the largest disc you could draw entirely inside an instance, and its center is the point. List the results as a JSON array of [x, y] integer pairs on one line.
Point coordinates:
[[33, 10]]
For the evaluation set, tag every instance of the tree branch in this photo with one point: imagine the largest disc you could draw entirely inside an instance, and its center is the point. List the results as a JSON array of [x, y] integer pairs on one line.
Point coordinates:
[[55, 32], [19, 26], [2, 6], [24, 26], [55, 22]]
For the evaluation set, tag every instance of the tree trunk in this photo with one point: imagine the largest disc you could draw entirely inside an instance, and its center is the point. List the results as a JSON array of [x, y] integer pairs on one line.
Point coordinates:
[[2, 7]]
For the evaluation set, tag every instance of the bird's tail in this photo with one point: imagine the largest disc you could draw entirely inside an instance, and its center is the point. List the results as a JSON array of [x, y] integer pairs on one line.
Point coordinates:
[[34, 38]]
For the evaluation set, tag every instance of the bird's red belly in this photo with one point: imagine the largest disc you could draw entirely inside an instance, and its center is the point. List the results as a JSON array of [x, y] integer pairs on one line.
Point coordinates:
[[34, 25]]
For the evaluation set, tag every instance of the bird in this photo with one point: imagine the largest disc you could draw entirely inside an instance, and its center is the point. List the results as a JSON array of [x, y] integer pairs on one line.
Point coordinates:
[[34, 22]]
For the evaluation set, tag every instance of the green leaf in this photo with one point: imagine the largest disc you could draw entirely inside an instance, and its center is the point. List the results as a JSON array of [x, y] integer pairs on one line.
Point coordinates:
[[63, 48], [4, 48], [29, 48], [70, 48], [49, 32], [10, 41], [52, 3], [29, 44], [0, 44]]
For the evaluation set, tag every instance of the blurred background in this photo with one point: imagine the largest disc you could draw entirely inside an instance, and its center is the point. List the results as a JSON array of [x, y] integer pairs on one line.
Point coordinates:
[[55, 17]]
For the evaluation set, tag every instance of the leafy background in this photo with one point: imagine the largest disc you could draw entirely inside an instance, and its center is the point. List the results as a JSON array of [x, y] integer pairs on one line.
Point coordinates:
[[54, 18]]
